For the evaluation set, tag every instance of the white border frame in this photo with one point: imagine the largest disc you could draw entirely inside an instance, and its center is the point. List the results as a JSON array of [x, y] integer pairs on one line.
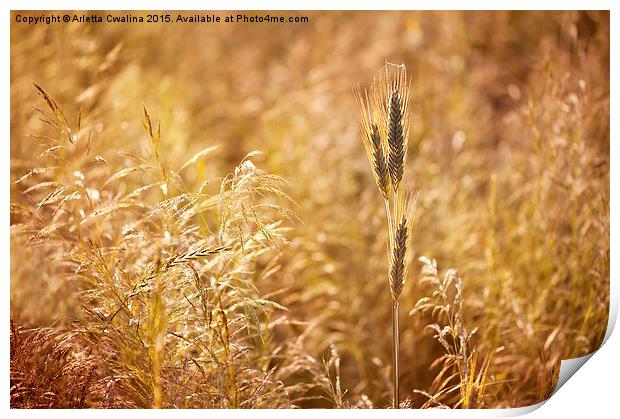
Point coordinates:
[[594, 388]]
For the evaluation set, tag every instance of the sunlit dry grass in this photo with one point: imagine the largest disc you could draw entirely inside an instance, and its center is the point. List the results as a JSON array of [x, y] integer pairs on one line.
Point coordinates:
[[195, 224]]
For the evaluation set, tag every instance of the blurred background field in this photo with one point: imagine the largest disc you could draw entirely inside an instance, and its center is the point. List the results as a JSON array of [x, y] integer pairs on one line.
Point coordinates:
[[509, 150]]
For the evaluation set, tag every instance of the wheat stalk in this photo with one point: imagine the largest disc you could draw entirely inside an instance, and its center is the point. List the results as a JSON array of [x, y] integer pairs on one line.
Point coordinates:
[[384, 128]]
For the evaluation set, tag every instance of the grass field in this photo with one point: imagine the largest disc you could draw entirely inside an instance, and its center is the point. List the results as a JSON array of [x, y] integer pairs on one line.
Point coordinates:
[[195, 224]]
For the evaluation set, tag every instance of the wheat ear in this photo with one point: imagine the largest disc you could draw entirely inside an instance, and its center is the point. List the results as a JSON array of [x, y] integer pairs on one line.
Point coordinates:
[[384, 128]]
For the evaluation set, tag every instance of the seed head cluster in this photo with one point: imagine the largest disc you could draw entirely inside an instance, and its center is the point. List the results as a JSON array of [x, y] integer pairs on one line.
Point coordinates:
[[384, 128]]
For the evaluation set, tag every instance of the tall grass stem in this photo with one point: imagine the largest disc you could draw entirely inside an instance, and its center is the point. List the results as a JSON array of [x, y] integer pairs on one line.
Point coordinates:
[[395, 349]]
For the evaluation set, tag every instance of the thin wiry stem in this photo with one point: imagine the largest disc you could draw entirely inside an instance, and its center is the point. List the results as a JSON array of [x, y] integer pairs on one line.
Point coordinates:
[[388, 214], [395, 350], [395, 333]]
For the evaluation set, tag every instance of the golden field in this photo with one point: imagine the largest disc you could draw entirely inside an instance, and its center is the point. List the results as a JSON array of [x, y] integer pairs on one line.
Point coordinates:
[[195, 224]]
